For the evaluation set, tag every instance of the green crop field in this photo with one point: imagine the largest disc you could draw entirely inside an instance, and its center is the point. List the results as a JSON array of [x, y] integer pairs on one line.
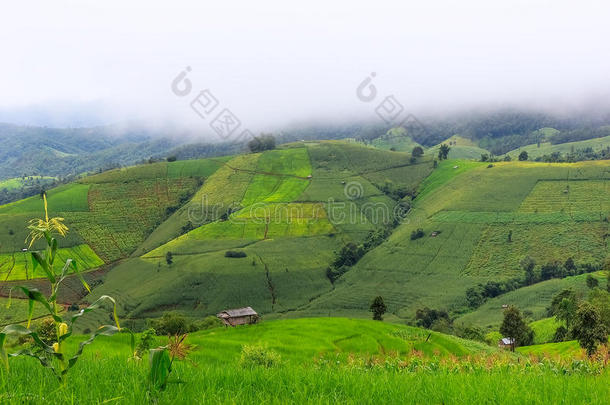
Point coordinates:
[[18, 266], [111, 213], [66, 198], [281, 176], [544, 329], [474, 208], [319, 361]]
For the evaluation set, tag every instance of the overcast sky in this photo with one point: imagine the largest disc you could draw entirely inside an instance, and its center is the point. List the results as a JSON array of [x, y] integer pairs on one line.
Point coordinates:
[[275, 62]]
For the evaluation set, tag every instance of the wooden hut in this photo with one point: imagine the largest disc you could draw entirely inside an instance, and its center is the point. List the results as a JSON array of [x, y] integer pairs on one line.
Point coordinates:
[[506, 343], [239, 316]]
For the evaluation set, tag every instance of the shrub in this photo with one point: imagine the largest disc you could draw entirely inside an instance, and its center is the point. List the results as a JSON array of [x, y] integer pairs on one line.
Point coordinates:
[[262, 143], [258, 355], [209, 322], [561, 334], [172, 323], [147, 341], [419, 233], [417, 151], [426, 317], [235, 253], [592, 281]]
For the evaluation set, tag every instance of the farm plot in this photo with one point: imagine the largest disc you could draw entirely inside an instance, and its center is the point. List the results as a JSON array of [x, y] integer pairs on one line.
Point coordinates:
[[410, 274], [503, 217], [126, 174], [408, 176], [227, 186], [268, 221], [282, 176], [66, 198], [123, 214], [496, 256], [332, 159], [569, 197], [18, 266], [195, 168], [16, 310], [13, 232]]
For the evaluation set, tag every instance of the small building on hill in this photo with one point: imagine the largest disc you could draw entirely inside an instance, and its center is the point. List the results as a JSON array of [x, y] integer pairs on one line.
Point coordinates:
[[239, 316], [506, 343]]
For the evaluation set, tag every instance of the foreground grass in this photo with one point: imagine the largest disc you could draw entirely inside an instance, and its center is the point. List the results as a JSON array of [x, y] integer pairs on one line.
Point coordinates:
[[325, 360], [115, 380]]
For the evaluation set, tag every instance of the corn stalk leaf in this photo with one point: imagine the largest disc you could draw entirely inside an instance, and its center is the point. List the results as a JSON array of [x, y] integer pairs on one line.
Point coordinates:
[[160, 367], [18, 330], [38, 260], [34, 295], [53, 251]]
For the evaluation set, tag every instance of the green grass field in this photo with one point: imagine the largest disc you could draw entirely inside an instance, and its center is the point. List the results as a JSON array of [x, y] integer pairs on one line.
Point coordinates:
[[321, 361]]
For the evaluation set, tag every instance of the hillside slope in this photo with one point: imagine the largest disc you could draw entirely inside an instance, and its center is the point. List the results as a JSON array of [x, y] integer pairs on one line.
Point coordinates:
[[286, 224], [472, 214]]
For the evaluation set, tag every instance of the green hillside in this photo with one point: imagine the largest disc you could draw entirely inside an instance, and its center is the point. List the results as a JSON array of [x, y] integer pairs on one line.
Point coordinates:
[[396, 139], [546, 148], [461, 148], [277, 208], [474, 211], [108, 215], [263, 230], [535, 298]]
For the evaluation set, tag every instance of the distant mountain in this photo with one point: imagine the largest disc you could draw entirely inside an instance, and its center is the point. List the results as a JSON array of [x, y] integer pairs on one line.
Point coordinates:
[[61, 152]]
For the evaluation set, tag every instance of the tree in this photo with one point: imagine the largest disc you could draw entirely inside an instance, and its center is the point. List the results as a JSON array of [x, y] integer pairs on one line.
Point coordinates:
[[592, 281], [426, 317], [378, 308], [417, 151], [569, 265], [528, 264], [588, 328], [514, 327], [443, 152], [169, 258], [262, 143], [523, 156], [600, 299]]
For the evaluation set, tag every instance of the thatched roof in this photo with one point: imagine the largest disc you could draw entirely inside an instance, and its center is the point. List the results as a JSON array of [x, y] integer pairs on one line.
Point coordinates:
[[236, 313]]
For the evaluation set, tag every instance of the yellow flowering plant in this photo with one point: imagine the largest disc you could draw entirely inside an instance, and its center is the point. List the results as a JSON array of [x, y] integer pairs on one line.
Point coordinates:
[[53, 355]]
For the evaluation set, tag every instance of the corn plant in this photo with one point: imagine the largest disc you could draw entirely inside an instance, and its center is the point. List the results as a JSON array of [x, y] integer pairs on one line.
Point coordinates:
[[53, 356]]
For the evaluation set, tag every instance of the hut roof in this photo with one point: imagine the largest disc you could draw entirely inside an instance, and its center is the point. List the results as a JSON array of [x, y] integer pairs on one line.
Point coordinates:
[[233, 313]]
